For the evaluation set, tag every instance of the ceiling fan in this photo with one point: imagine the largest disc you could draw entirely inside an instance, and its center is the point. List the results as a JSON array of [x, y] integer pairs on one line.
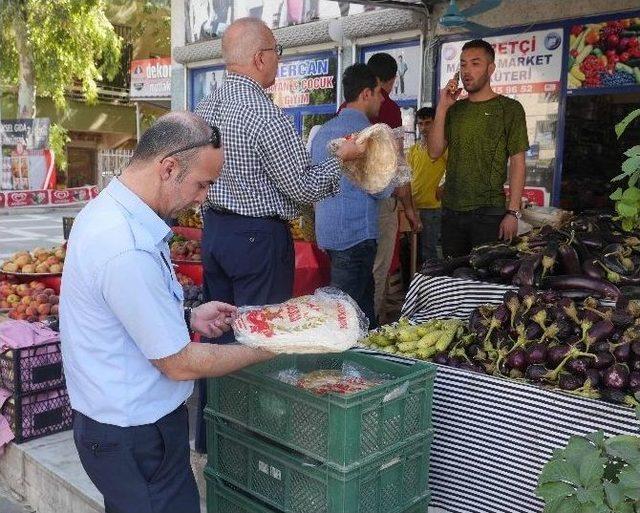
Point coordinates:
[[456, 18]]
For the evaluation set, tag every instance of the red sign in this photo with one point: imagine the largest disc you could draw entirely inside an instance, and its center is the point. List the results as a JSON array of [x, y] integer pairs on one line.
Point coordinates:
[[151, 78], [2, 199], [74, 195], [94, 191], [538, 196], [27, 198]]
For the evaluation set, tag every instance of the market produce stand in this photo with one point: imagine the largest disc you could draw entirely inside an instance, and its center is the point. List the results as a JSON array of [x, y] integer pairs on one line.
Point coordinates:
[[493, 435], [311, 263]]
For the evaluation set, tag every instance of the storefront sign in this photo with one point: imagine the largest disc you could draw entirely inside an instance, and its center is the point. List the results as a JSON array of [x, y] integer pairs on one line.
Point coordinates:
[[30, 134], [525, 63], [205, 19], [2, 199], [605, 54], [306, 81], [151, 78], [408, 58]]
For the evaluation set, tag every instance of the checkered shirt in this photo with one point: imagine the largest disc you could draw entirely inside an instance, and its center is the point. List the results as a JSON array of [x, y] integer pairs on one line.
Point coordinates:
[[267, 170]]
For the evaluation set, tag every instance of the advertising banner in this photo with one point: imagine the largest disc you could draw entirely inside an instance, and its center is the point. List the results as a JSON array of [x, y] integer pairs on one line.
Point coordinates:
[[605, 54], [151, 78], [530, 62], [22, 153], [303, 81], [408, 77]]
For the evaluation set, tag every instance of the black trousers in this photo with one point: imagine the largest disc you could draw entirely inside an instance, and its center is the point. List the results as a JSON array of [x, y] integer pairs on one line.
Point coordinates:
[[462, 231], [247, 261], [139, 469]]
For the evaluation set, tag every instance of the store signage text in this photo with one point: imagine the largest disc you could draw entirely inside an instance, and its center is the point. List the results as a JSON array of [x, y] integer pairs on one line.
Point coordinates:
[[151, 78], [298, 79], [526, 63]]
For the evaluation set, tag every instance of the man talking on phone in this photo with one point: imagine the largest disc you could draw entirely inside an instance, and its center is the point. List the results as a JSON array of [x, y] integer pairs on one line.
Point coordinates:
[[482, 133]]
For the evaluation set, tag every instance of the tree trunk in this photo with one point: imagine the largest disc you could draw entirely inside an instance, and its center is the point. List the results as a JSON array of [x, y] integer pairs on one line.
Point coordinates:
[[26, 71]]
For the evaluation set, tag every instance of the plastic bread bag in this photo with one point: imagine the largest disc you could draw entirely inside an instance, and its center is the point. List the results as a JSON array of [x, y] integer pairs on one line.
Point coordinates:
[[378, 167], [327, 321], [403, 171]]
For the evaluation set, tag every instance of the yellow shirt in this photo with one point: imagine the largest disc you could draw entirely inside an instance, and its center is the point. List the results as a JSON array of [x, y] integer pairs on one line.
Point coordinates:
[[426, 175]]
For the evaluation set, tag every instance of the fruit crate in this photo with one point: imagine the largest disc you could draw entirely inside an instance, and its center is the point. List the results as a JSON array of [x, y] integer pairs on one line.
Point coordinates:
[[294, 483], [32, 369], [225, 498], [35, 415], [341, 430]]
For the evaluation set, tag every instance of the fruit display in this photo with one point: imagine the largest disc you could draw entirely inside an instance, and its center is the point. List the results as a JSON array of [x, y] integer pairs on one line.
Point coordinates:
[[605, 54], [538, 336], [190, 218], [303, 227], [32, 301], [184, 250], [38, 261], [184, 280], [587, 256]]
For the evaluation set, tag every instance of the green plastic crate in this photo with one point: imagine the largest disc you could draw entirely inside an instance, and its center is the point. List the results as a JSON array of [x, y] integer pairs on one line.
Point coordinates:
[[341, 430], [294, 483], [222, 498]]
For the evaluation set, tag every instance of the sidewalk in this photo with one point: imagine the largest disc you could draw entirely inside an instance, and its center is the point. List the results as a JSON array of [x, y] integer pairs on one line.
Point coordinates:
[[11, 503]]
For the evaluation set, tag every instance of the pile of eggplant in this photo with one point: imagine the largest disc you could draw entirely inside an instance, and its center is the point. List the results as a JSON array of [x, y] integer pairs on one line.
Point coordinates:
[[589, 256], [545, 338]]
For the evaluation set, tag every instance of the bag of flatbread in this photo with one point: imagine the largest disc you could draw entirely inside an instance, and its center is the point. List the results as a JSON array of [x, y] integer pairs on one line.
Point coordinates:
[[377, 168], [327, 321]]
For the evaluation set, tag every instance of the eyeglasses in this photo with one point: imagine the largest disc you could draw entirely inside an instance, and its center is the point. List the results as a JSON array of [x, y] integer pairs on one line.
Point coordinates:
[[214, 141], [277, 49]]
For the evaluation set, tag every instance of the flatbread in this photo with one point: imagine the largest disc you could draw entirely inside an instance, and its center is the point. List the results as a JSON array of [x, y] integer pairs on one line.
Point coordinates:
[[377, 168], [307, 324]]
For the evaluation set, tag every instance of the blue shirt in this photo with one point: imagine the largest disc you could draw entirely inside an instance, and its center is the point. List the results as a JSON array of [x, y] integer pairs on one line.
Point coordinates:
[[351, 216], [120, 306]]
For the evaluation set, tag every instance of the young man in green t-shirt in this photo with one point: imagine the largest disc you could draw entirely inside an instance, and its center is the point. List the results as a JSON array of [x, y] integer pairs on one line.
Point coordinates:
[[481, 133]]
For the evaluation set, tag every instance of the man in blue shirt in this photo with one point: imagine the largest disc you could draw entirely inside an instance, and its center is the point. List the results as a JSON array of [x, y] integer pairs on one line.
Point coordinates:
[[347, 224], [128, 361]]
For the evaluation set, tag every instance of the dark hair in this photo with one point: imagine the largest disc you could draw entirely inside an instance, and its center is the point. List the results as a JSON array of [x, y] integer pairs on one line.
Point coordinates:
[[356, 79], [169, 133], [481, 43], [426, 113], [384, 66]]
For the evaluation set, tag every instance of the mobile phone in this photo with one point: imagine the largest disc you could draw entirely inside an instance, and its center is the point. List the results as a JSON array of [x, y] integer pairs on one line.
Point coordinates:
[[456, 78]]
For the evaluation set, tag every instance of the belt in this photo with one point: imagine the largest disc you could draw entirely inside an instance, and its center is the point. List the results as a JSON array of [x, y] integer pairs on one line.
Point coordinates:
[[226, 212]]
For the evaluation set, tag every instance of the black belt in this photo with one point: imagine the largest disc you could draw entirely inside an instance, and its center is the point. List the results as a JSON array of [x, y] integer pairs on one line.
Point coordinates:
[[227, 212]]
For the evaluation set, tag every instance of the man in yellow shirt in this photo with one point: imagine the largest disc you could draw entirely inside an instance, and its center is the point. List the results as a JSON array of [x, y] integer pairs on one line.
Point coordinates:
[[425, 185]]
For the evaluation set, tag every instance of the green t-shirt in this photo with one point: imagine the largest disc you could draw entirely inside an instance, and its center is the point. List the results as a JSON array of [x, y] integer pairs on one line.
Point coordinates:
[[481, 136]]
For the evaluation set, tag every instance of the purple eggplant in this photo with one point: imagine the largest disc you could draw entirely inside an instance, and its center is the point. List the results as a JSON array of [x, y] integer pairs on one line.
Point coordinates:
[[441, 358], [593, 375], [635, 365], [613, 395], [550, 296], [555, 354], [465, 273], [602, 346], [635, 347], [634, 381], [621, 318], [603, 360], [579, 365], [599, 331], [616, 377], [536, 353], [600, 287], [517, 359], [509, 269], [527, 270], [569, 259], [622, 352], [533, 331], [535, 373], [568, 381], [565, 329]]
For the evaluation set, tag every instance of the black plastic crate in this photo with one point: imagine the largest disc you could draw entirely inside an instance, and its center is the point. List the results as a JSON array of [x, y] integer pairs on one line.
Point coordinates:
[[35, 415], [32, 369]]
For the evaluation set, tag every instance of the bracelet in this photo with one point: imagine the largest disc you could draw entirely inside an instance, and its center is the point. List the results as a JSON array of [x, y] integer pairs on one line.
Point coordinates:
[[187, 317]]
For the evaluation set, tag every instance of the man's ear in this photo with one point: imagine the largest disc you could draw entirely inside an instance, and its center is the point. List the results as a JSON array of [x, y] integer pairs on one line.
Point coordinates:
[[492, 68], [258, 61], [167, 168]]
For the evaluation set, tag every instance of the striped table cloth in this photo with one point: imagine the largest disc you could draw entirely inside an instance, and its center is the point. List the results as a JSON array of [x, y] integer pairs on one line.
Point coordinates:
[[493, 435]]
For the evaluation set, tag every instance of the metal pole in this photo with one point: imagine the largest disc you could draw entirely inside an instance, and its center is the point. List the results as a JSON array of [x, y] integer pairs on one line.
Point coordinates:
[[339, 79], [138, 121]]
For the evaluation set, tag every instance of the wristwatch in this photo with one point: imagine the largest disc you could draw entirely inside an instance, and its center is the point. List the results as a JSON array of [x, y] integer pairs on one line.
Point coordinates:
[[515, 213], [187, 317]]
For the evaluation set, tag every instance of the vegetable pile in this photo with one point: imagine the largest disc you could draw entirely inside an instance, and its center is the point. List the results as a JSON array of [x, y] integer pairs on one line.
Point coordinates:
[[539, 336], [589, 256], [605, 54]]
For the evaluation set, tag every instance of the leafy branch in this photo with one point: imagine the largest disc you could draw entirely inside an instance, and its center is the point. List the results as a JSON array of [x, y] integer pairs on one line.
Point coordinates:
[[628, 200]]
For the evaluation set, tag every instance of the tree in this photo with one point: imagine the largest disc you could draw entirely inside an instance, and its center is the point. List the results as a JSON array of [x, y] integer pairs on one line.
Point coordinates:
[[48, 46]]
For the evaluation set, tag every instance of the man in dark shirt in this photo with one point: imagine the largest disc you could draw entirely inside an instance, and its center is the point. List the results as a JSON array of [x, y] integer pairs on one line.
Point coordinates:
[[482, 133]]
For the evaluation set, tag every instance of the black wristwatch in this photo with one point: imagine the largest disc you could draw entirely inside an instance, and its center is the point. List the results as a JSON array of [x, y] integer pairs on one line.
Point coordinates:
[[187, 317], [515, 213]]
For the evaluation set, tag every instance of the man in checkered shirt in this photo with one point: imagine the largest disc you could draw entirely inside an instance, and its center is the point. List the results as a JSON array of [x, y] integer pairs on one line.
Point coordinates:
[[247, 249]]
